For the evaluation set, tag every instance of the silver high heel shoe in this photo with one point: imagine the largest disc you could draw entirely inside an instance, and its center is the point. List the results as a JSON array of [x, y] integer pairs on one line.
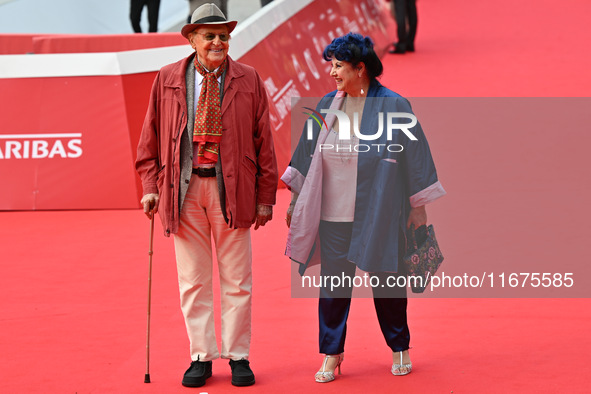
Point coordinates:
[[400, 369], [324, 376]]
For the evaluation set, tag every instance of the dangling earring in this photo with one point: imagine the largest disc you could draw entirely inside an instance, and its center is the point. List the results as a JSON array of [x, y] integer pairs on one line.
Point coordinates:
[[362, 91]]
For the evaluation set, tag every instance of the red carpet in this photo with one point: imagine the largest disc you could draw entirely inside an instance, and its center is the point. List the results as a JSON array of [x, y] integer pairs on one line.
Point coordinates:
[[73, 292], [73, 284]]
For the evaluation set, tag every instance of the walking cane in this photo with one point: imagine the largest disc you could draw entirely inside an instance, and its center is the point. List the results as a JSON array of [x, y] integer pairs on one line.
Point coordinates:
[[150, 252]]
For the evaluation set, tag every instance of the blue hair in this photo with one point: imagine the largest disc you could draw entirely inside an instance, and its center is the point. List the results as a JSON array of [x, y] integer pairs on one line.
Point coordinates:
[[354, 48]]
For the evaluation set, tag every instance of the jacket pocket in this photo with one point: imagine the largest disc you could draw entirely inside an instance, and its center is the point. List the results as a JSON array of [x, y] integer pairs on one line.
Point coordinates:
[[247, 187], [250, 165], [160, 178]]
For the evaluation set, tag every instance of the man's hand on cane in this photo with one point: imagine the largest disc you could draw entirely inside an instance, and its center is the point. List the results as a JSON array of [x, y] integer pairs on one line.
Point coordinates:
[[150, 203]]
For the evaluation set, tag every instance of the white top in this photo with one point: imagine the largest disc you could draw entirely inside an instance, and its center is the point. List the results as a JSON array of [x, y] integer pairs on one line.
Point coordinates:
[[339, 178]]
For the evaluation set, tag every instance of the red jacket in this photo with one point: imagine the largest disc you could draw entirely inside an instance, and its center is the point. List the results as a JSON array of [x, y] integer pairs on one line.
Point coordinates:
[[246, 150]]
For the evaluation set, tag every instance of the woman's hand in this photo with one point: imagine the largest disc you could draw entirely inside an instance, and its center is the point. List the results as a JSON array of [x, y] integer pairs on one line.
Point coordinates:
[[288, 215], [417, 216]]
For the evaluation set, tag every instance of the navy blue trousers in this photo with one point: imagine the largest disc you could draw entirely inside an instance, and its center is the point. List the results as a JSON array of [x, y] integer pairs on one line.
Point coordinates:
[[333, 305]]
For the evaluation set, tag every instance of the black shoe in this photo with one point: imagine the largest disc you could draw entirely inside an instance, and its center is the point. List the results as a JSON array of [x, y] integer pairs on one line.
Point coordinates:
[[397, 50], [241, 373], [410, 48], [197, 373]]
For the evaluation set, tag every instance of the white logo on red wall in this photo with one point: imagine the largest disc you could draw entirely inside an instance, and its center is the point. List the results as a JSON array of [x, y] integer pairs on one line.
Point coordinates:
[[40, 146]]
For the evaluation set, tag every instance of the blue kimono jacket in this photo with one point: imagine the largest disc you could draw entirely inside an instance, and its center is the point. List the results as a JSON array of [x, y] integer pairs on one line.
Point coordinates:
[[393, 175]]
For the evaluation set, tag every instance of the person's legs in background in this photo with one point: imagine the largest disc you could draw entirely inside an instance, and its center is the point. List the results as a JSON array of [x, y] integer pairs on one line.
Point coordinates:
[[193, 5], [135, 14], [412, 17], [223, 6], [399, 8], [405, 14], [153, 11]]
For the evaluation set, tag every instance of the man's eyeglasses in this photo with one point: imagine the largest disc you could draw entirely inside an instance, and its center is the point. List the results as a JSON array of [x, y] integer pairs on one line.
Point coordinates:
[[211, 36]]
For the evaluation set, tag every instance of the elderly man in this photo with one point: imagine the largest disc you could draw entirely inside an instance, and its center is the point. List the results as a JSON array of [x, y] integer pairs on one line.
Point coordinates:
[[207, 165]]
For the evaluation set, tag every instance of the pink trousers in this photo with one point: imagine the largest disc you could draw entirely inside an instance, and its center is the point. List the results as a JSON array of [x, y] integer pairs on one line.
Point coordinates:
[[201, 218]]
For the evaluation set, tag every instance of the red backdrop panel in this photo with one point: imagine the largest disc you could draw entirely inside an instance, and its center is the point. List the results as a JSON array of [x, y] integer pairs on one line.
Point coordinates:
[[65, 144]]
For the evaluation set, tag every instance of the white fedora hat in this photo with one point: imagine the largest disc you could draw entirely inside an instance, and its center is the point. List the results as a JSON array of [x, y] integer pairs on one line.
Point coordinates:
[[207, 14]]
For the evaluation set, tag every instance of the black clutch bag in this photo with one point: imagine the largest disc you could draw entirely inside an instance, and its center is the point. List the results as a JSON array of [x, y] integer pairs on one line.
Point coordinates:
[[421, 261]]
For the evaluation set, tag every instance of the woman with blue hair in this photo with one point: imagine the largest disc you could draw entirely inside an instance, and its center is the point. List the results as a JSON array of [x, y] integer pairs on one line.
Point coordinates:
[[355, 192]]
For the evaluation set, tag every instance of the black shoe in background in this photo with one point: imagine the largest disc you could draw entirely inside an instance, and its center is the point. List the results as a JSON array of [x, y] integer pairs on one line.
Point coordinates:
[[197, 373], [397, 50], [241, 373]]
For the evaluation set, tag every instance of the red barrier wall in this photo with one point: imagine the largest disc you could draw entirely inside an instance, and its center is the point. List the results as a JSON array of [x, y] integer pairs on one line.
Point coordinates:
[[11, 44], [68, 145], [104, 43]]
